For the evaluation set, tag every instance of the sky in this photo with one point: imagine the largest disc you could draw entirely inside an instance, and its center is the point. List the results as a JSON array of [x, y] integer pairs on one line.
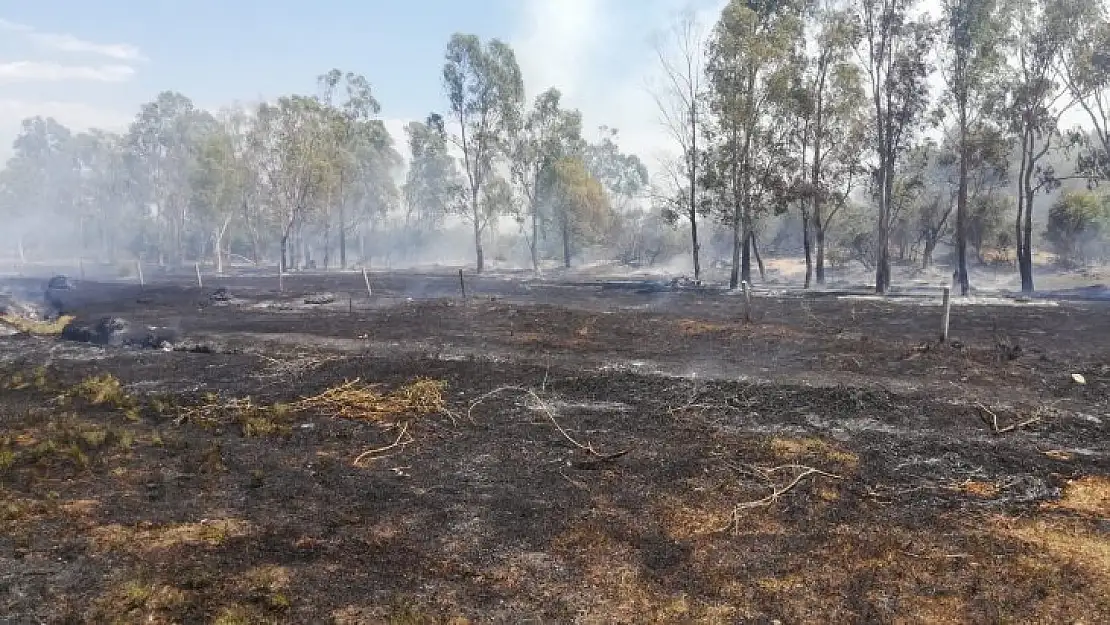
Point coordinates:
[[92, 64]]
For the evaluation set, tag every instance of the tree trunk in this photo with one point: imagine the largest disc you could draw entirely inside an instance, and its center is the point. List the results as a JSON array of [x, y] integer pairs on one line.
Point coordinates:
[[1025, 230], [807, 246], [218, 251], [693, 157], [746, 254], [534, 243], [820, 232], [327, 242], [927, 254], [734, 275], [566, 242], [961, 207], [478, 255], [882, 264], [284, 262], [758, 258], [694, 241], [342, 235]]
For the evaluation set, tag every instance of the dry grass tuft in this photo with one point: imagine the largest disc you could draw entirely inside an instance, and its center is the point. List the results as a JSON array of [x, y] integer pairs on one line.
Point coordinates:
[[106, 390], [358, 401], [211, 533], [811, 448], [136, 601], [1066, 540], [36, 327], [978, 489], [1088, 495]]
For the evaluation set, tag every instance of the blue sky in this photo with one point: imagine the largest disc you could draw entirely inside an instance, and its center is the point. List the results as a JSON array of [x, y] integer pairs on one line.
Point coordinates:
[[92, 64]]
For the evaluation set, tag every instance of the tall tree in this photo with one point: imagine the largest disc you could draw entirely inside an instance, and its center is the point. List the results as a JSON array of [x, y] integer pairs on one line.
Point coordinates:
[[974, 57], [433, 185], [41, 176], [352, 128], [1041, 32], [485, 93], [290, 139], [751, 54], [830, 100], [547, 134], [624, 177], [680, 99], [163, 142], [895, 56], [222, 182]]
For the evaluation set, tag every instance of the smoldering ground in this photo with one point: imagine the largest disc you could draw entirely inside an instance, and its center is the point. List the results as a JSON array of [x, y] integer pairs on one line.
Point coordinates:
[[829, 460]]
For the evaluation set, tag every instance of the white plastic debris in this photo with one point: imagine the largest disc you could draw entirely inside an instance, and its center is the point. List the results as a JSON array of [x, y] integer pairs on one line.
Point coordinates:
[[1078, 378]]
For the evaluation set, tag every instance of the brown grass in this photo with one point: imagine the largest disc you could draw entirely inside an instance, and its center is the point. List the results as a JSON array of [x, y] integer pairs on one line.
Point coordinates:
[[1066, 540], [36, 327], [1088, 495], [796, 449], [211, 533], [358, 401]]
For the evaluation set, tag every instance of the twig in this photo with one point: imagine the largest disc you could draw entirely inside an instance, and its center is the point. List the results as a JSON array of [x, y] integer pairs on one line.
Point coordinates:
[[734, 518], [1007, 429], [1018, 426], [380, 450], [546, 410]]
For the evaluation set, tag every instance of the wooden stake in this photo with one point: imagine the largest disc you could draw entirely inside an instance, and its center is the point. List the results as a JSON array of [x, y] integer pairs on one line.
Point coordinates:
[[747, 301], [200, 283], [947, 314], [462, 284], [139, 268], [366, 279]]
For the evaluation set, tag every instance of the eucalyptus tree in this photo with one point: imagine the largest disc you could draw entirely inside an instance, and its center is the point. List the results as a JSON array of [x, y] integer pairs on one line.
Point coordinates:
[[485, 92], [831, 102], [1084, 67], [973, 60], [290, 140], [546, 134], [751, 55], [433, 184], [680, 99], [163, 144], [1041, 33], [895, 50]]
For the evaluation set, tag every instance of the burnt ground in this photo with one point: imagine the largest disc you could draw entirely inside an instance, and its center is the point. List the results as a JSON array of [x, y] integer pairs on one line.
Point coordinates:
[[828, 462]]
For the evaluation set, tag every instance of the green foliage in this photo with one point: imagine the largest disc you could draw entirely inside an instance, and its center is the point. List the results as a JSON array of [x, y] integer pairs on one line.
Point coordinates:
[[1079, 227], [579, 205]]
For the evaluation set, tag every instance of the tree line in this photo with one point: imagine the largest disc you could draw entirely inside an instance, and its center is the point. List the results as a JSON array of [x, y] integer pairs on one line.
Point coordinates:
[[298, 177], [873, 130], [828, 109]]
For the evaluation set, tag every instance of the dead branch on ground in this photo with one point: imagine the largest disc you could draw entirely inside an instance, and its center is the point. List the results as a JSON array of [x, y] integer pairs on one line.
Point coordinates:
[[991, 418], [547, 411], [777, 491], [374, 454]]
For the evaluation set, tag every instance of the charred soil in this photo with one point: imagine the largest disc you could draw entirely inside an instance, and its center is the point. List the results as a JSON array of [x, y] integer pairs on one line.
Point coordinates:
[[555, 453]]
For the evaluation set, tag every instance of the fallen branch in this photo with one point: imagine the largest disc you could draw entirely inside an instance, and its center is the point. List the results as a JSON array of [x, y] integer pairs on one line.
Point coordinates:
[[993, 422], [546, 410], [373, 453], [734, 518]]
